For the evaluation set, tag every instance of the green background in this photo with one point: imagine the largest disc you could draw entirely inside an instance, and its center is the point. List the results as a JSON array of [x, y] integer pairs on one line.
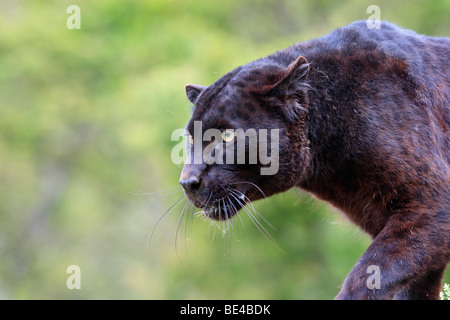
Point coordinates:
[[85, 123]]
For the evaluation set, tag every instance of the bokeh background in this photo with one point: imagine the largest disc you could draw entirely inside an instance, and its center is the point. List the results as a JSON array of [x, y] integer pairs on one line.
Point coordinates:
[[86, 118]]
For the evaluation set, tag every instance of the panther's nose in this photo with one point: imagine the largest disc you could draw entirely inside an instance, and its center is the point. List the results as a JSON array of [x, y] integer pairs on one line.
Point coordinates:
[[190, 184]]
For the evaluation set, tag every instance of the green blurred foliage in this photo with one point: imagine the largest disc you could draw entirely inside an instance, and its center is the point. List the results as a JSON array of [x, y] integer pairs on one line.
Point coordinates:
[[85, 126]]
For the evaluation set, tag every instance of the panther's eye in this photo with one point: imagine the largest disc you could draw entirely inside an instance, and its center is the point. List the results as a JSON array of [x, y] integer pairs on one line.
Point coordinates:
[[228, 135], [191, 139]]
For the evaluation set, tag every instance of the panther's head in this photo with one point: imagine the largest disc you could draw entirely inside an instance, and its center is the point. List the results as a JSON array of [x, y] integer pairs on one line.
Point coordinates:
[[247, 136]]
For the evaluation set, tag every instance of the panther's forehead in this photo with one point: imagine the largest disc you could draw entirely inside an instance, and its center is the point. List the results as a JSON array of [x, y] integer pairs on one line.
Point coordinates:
[[239, 85], [225, 103], [210, 96]]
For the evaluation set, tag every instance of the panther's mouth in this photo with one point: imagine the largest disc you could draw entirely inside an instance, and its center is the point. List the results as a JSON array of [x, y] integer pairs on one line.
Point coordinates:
[[225, 207]]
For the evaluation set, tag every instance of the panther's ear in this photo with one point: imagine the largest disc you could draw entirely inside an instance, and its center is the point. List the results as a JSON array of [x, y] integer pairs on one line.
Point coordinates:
[[193, 91], [291, 87], [292, 77]]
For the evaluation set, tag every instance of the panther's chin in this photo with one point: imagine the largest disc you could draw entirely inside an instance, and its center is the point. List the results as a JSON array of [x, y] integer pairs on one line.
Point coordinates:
[[221, 212], [225, 208]]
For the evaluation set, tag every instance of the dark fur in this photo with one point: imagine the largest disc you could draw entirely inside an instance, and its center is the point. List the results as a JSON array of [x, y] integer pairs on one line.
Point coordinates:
[[364, 122]]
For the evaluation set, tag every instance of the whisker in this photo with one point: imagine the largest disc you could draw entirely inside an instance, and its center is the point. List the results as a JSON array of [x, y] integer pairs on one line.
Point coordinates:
[[226, 212], [206, 204], [219, 214], [189, 221], [183, 212], [227, 218], [256, 222], [254, 210], [230, 223], [236, 212], [161, 217], [251, 183]]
